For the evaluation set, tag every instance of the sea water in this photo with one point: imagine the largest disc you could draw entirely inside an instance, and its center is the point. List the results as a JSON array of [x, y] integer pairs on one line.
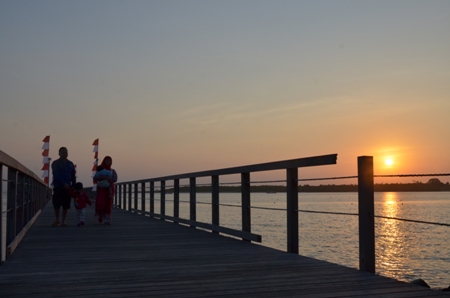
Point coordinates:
[[404, 250]]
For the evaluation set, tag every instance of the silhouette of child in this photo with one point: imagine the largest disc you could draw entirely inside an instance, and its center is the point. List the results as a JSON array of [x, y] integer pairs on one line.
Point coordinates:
[[80, 199]]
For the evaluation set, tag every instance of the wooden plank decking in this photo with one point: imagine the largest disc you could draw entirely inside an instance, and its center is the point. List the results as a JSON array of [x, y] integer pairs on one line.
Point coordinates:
[[143, 257]]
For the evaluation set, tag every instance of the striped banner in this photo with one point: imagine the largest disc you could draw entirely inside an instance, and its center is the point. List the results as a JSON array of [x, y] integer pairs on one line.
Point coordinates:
[[94, 168], [45, 159]]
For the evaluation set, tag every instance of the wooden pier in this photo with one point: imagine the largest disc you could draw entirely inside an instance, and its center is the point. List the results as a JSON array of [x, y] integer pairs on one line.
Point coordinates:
[[138, 256]]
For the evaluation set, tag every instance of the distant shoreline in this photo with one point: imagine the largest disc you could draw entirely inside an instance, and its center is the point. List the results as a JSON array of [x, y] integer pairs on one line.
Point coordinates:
[[412, 187], [392, 187]]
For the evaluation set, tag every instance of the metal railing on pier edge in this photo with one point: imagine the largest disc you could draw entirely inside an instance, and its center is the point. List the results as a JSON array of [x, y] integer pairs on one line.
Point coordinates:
[[290, 166], [132, 196], [25, 195]]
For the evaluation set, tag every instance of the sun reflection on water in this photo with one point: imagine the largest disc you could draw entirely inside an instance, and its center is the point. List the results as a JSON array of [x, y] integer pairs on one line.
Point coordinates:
[[392, 248]]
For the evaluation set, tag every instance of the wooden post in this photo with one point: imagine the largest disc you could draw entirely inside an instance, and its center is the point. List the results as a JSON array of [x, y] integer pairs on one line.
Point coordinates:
[[123, 204], [136, 206], [116, 197], [176, 199], [366, 214], [245, 193], [129, 196], [11, 206], [19, 202], [124, 197], [34, 196], [119, 196], [292, 210], [192, 200], [27, 201], [152, 198], [143, 198], [163, 198], [215, 201]]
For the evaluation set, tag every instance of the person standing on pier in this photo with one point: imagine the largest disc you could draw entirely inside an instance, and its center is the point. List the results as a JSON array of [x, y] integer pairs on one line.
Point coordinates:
[[80, 199], [63, 179], [104, 199]]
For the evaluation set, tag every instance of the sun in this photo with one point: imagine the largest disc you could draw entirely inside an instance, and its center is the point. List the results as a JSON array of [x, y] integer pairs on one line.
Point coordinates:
[[389, 161]]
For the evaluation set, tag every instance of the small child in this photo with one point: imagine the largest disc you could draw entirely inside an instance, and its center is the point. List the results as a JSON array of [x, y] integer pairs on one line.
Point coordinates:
[[80, 199], [104, 183]]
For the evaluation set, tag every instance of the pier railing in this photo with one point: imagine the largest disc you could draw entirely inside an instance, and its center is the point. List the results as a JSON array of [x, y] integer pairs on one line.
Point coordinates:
[[23, 195], [132, 196]]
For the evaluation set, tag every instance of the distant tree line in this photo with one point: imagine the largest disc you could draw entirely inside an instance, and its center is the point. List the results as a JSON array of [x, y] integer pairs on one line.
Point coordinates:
[[432, 185]]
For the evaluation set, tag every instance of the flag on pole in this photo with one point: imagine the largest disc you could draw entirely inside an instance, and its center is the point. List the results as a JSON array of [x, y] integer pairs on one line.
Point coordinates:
[[46, 159], [94, 168]]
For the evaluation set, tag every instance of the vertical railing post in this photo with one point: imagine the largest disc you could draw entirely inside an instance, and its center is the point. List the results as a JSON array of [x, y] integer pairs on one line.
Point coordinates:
[[152, 198], [23, 201], [245, 193], [124, 189], [32, 199], [41, 196], [119, 196], [124, 196], [215, 200], [136, 191], [176, 199], [143, 198], [192, 200], [29, 203], [366, 214], [292, 209], [19, 202], [35, 196], [163, 198], [115, 204], [130, 197], [11, 206]]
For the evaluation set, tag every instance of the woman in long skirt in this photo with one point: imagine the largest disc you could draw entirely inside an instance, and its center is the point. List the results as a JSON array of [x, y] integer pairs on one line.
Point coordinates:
[[104, 199]]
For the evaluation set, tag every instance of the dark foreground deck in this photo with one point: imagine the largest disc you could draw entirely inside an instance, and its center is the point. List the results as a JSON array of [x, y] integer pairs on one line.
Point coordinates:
[[141, 256]]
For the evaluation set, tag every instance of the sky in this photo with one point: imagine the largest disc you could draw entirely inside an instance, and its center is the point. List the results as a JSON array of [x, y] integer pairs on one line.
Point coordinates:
[[178, 86]]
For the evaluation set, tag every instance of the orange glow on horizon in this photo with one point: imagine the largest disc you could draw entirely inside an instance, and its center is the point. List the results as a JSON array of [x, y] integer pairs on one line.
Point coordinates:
[[390, 160]]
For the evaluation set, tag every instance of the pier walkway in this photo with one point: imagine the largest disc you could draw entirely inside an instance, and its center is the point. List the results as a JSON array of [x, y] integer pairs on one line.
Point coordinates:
[[138, 256]]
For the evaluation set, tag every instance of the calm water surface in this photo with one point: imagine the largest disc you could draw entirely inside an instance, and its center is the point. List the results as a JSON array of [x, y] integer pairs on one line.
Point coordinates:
[[404, 250]]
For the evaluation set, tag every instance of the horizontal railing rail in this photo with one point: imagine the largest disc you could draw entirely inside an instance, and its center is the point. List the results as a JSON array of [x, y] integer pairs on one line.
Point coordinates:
[[25, 195], [128, 193], [269, 166]]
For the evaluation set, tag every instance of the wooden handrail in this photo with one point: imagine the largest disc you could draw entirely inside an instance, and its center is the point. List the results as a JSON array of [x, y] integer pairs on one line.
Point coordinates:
[[10, 162], [26, 195], [277, 165], [124, 196]]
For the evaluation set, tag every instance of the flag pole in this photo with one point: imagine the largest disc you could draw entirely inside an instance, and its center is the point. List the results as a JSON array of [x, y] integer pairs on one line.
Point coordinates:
[[94, 168], [49, 168], [46, 160]]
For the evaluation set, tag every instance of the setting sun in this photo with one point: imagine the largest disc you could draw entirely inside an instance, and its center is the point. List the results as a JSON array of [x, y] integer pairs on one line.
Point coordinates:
[[388, 161]]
